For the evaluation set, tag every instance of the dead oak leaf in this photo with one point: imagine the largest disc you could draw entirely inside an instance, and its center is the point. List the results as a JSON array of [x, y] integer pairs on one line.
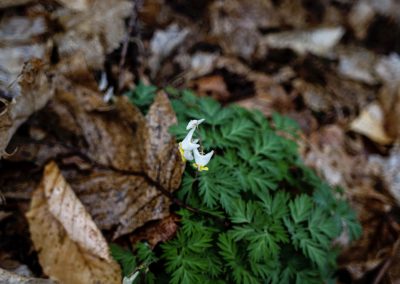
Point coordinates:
[[71, 248]]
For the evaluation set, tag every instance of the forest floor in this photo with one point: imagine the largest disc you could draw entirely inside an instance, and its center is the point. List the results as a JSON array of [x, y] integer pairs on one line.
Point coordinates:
[[333, 66]]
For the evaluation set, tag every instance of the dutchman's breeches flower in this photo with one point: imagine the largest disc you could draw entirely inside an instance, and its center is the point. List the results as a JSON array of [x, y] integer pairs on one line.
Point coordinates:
[[201, 160], [188, 148]]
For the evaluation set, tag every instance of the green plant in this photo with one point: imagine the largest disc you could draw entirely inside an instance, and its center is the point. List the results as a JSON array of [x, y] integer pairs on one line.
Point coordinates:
[[270, 219]]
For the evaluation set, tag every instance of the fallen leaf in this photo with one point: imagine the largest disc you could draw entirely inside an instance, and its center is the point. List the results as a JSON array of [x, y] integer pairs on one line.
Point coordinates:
[[358, 64], [213, 86], [237, 24], [163, 43], [36, 88], [162, 231], [94, 32], [132, 162], [371, 124], [12, 278], [318, 41], [79, 5], [162, 162], [71, 248], [121, 201]]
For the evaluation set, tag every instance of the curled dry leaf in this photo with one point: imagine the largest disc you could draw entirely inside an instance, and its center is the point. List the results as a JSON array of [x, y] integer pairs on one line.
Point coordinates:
[[12, 278], [371, 124], [71, 248], [36, 88]]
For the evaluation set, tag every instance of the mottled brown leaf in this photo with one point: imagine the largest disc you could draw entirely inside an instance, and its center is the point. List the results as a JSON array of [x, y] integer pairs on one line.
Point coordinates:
[[120, 200], [71, 248], [162, 162]]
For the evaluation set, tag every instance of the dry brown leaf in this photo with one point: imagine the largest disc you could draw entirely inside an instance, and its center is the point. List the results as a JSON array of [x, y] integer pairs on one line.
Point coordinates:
[[94, 32], [12, 278], [371, 124], [162, 231], [237, 24], [213, 85], [133, 158], [71, 248], [36, 88], [106, 135], [162, 162], [119, 200]]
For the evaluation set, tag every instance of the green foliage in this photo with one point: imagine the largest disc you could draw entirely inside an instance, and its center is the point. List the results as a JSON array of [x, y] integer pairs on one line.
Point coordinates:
[[138, 262], [275, 219], [142, 96]]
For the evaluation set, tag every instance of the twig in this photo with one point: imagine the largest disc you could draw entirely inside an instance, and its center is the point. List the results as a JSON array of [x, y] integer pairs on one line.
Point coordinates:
[[387, 263]]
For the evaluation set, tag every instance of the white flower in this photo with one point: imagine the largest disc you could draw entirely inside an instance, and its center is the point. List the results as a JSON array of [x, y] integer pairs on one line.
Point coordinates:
[[194, 124], [201, 160], [187, 146]]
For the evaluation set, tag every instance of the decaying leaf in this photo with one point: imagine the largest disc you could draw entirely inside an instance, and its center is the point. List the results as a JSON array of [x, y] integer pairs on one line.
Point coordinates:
[[371, 124], [237, 24], [94, 32], [162, 231], [162, 162], [36, 88], [71, 248], [12, 278], [132, 160]]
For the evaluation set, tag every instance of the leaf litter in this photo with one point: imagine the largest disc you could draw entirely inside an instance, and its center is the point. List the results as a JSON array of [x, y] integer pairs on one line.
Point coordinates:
[[322, 63]]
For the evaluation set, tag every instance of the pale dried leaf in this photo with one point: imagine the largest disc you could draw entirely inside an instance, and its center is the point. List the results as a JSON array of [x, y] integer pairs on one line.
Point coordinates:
[[71, 248], [18, 30], [79, 5], [358, 64], [12, 278], [163, 43], [371, 124], [319, 41], [67, 209]]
